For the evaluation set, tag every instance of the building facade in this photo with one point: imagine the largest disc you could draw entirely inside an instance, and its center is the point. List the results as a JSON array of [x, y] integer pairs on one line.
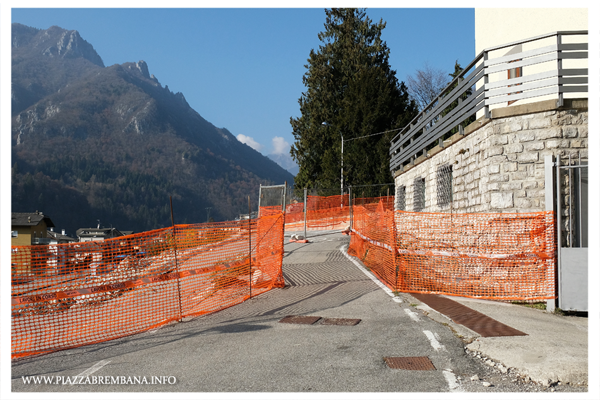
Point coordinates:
[[30, 228]]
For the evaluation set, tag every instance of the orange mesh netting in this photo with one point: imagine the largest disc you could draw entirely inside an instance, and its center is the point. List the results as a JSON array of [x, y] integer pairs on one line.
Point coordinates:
[[492, 256], [76, 294], [328, 213], [294, 217], [323, 213], [373, 202]]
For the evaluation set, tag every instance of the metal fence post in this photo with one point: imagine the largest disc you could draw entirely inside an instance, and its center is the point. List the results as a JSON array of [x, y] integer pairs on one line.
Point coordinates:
[[350, 204], [175, 255], [259, 197], [560, 101], [305, 209], [250, 246], [486, 80], [284, 196], [558, 227], [549, 199]]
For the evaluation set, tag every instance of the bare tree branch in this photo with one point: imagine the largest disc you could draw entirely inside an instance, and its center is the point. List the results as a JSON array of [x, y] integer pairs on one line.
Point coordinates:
[[426, 84]]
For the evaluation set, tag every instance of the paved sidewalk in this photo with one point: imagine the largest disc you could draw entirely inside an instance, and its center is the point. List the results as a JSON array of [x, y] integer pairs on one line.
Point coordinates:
[[554, 350]]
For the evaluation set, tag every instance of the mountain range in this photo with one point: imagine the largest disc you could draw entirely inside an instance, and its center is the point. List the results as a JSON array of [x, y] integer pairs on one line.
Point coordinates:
[[91, 142]]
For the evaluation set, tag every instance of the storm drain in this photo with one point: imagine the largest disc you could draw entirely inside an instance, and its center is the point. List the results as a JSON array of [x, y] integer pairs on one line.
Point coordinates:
[[474, 320], [410, 363], [340, 321], [299, 319]]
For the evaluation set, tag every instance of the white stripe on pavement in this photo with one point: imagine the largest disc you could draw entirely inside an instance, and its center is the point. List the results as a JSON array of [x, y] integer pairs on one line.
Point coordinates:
[[434, 342], [92, 369], [451, 379], [370, 275], [412, 315]]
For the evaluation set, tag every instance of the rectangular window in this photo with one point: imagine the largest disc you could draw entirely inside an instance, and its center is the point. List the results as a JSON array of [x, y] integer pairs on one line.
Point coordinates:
[[401, 198], [419, 194], [444, 185]]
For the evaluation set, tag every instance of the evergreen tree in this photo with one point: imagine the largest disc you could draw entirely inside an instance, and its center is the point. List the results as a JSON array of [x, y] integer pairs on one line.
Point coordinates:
[[351, 91]]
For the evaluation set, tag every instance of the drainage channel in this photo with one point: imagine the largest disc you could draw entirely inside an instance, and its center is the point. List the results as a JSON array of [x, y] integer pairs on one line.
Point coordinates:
[[474, 320]]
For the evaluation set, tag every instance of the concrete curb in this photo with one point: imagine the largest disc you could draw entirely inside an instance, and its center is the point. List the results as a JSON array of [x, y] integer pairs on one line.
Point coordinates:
[[555, 349]]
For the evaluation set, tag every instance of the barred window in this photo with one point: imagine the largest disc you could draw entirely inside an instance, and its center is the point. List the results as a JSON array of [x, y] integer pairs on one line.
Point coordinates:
[[444, 185], [401, 198], [419, 194]]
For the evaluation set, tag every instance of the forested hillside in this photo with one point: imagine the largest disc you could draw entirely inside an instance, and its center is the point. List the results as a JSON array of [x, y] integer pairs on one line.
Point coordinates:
[[112, 144]]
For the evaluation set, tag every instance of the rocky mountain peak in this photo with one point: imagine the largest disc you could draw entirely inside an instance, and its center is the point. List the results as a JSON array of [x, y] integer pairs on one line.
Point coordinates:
[[55, 42], [143, 67]]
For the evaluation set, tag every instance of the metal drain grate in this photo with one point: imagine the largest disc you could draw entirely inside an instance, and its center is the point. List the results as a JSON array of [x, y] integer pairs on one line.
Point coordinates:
[[340, 321], [474, 320], [299, 319], [410, 363]]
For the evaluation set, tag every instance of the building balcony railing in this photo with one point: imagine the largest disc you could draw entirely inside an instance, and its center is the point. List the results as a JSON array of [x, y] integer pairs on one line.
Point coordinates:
[[555, 64]]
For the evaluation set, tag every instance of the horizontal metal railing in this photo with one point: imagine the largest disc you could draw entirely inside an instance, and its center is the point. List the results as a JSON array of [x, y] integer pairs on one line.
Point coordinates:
[[473, 91]]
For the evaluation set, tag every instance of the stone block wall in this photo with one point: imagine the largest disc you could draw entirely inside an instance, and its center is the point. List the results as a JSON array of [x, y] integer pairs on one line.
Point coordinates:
[[499, 167]]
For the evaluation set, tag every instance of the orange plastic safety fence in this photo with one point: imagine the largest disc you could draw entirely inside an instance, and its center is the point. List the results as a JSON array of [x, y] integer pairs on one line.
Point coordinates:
[[294, 217], [492, 256], [270, 210], [327, 213], [373, 202], [70, 295], [323, 213]]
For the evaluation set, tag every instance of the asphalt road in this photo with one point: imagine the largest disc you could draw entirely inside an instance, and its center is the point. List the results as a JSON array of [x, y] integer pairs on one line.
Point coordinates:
[[245, 349]]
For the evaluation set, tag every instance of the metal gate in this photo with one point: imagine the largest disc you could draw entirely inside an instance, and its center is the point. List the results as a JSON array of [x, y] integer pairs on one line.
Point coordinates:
[[272, 197], [570, 197]]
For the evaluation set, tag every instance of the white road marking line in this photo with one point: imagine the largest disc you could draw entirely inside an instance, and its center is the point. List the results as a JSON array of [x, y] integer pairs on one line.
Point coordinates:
[[92, 369], [370, 275], [434, 342], [412, 315], [451, 379]]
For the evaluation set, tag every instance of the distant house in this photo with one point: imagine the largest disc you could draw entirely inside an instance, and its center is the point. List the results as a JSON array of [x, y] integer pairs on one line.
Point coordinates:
[[59, 238], [27, 229], [30, 228], [97, 234]]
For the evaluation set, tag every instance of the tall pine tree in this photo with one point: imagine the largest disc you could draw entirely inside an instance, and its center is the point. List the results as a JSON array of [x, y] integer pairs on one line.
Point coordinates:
[[351, 91]]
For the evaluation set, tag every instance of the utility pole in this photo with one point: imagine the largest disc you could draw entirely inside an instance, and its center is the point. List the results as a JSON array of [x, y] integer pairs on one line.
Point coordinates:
[[208, 213]]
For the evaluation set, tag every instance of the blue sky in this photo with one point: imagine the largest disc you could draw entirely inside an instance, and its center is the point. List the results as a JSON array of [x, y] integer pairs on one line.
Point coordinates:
[[241, 68]]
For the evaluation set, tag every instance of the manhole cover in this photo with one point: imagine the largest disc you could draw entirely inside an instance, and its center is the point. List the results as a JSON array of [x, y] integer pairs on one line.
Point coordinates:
[[340, 321], [409, 363], [299, 319]]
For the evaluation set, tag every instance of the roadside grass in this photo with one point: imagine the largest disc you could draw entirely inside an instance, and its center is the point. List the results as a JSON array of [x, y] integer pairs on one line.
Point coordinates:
[[537, 306]]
